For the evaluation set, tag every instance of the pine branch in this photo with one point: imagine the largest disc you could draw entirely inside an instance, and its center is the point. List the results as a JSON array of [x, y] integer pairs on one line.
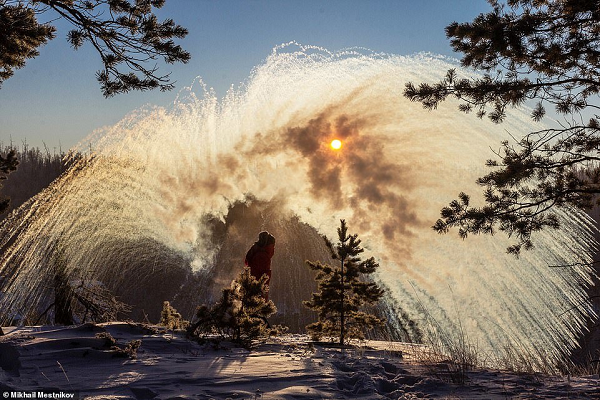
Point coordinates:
[[528, 50], [125, 33]]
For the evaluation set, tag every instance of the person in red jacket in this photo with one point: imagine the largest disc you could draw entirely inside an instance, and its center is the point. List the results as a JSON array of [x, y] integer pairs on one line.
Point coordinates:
[[258, 258]]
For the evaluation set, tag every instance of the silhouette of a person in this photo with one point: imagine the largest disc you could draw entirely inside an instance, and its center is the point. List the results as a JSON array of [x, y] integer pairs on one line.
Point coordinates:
[[258, 258]]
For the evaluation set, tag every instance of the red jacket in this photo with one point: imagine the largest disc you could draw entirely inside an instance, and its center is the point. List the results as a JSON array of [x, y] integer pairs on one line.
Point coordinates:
[[258, 259]]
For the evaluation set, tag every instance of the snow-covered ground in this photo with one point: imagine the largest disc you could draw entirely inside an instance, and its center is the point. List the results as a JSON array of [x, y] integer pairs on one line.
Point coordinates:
[[168, 366]]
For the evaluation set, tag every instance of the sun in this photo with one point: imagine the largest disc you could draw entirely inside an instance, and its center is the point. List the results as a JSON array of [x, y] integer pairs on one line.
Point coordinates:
[[336, 144]]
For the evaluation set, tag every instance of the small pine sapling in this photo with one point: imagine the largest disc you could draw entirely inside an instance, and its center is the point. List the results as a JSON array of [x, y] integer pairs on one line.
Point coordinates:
[[171, 319], [342, 293], [241, 313]]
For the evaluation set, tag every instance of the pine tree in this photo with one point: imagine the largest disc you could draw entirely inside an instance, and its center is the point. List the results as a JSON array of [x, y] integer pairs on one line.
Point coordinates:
[[126, 34], [547, 51], [8, 164], [170, 318], [342, 294], [240, 314]]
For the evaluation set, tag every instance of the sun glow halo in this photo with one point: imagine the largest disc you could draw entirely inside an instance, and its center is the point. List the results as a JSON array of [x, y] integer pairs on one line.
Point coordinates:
[[336, 144]]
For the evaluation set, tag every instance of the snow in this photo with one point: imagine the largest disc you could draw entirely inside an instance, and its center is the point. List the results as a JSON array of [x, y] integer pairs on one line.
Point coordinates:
[[168, 366]]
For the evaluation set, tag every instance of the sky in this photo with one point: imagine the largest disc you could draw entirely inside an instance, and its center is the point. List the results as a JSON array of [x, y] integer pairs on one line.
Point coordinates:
[[56, 101]]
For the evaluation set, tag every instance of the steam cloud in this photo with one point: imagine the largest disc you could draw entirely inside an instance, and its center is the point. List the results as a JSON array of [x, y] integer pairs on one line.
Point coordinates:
[[164, 175]]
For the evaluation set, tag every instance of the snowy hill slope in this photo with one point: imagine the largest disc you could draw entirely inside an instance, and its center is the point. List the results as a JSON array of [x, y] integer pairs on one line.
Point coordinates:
[[168, 366]]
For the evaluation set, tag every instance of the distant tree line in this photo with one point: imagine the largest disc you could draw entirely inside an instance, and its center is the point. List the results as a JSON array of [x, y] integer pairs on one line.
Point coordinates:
[[35, 169]]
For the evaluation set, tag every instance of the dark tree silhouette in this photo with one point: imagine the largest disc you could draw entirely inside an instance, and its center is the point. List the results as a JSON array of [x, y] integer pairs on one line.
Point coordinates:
[[126, 34], [546, 51], [8, 164], [342, 293], [80, 300], [63, 297]]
